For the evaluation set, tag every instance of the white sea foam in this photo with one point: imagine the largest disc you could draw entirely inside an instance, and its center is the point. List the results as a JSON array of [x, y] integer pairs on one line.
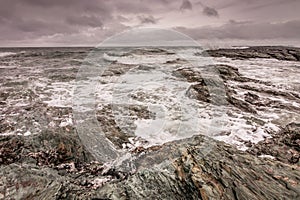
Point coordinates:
[[267, 156], [3, 54], [61, 94], [177, 116]]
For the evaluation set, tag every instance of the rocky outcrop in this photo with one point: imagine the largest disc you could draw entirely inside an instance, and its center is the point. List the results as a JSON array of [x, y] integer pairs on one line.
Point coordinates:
[[107, 118], [283, 146], [280, 53], [42, 157], [208, 89], [195, 168], [51, 147]]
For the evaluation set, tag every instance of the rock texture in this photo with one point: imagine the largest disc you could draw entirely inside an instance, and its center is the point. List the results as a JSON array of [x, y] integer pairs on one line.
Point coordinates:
[[196, 168], [203, 89], [42, 157], [283, 146], [223, 173], [276, 52]]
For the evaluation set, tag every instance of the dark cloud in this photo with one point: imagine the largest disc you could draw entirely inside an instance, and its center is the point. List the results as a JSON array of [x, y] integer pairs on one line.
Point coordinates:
[[208, 11], [186, 5], [92, 5], [6, 10], [147, 19], [136, 7], [211, 12], [84, 21], [122, 18], [89, 21], [33, 19]]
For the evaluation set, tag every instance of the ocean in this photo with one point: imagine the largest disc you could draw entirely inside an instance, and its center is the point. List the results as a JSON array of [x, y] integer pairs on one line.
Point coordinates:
[[128, 97]]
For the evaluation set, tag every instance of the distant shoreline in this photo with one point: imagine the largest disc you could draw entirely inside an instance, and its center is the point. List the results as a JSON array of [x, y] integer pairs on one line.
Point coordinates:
[[132, 46]]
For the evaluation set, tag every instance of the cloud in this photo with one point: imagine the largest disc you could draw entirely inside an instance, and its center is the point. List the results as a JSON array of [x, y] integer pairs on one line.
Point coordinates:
[[258, 4], [82, 20], [246, 30], [148, 19], [210, 12], [54, 21], [186, 5], [122, 18], [29, 20]]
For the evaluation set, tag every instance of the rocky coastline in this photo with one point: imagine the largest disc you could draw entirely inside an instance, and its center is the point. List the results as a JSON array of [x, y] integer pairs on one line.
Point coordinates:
[[55, 164]]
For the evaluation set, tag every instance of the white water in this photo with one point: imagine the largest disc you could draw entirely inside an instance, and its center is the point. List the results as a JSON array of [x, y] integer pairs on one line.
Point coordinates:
[[3, 54], [178, 116]]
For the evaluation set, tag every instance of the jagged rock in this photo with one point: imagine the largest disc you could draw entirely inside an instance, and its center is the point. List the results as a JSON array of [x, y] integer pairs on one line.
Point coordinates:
[[116, 68], [28, 182], [151, 51], [111, 124], [48, 148], [10, 149], [283, 146], [191, 169], [52, 163], [280, 53], [228, 72], [199, 92], [196, 168], [177, 61], [210, 90], [245, 106], [189, 74]]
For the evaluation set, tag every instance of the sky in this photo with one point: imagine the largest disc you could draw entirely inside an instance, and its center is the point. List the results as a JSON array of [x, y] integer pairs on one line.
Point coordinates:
[[89, 22]]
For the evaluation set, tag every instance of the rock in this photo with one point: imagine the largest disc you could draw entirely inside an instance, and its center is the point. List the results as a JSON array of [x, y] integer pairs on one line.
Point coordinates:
[[244, 106], [210, 90], [251, 98], [28, 182], [117, 69], [10, 149], [52, 163], [119, 130], [199, 92], [228, 72], [151, 51], [195, 168], [47, 148], [176, 61], [189, 171], [275, 52], [189, 74], [284, 145]]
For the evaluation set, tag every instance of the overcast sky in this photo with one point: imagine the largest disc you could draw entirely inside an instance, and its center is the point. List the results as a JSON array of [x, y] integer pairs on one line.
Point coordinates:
[[88, 22]]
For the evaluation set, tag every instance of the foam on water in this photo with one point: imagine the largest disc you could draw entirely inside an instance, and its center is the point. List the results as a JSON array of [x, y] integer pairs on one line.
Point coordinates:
[[61, 94], [177, 116], [3, 54], [153, 85]]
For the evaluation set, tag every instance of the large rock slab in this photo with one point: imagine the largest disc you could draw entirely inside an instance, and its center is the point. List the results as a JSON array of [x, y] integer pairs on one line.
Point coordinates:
[[192, 169], [276, 52], [195, 168]]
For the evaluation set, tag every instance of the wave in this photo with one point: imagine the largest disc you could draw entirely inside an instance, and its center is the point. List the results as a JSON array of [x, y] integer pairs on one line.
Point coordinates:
[[3, 54]]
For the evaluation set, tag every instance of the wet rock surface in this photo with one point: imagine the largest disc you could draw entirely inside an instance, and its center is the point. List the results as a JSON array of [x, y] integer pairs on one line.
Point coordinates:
[[280, 53], [196, 168], [223, 173], [42, 156], [108, 120], [284, 146], [51, 147], [202, 88]]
